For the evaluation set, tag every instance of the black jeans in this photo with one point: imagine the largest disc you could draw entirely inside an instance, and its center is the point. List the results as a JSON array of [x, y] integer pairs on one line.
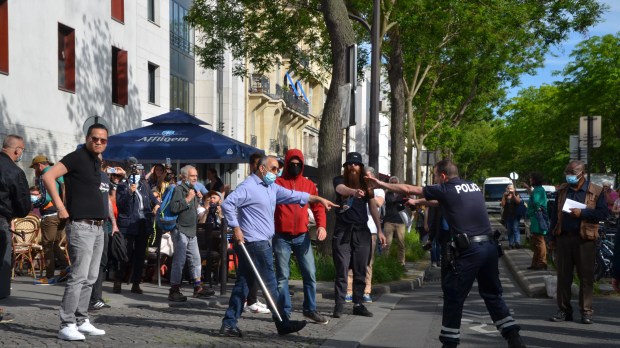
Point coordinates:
[[6, 248], [351, 246], [136, 253]]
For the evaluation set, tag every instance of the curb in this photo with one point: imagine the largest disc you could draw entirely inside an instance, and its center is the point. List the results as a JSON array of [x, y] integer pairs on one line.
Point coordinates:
[[527, 279]]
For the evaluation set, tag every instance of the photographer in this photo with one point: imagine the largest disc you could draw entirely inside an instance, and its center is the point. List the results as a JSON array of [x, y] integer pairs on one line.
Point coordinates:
[[135, 220], [510, 202], [212, 211]]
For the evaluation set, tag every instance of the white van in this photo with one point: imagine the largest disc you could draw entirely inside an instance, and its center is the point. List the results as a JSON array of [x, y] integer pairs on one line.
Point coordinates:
[[493, 190]]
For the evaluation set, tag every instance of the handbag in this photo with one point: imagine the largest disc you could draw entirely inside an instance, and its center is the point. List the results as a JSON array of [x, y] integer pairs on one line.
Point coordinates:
[[543, 220]]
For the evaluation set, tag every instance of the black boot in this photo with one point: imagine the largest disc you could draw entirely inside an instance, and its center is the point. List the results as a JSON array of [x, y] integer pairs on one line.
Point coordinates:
[[514, 339]]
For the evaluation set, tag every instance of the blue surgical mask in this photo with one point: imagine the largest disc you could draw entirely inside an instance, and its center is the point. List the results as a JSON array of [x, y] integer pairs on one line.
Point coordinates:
[[280, 172], [269, 178], [572, 179], [20, 157], [33, 198]]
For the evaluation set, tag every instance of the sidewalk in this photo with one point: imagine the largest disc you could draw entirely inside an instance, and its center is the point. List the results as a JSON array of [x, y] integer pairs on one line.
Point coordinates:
[[151, 320]]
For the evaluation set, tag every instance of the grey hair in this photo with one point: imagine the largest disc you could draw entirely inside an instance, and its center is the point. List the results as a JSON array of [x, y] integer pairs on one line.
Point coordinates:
[[185, 170], [394, 178], [10, 140], [370, 170], [264, 160]]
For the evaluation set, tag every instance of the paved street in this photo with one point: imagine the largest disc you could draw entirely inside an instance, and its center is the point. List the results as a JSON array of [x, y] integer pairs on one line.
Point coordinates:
[[403, 318]]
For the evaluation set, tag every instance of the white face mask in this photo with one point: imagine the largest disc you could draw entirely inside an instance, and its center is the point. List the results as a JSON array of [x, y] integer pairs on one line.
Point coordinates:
[[20, 157]]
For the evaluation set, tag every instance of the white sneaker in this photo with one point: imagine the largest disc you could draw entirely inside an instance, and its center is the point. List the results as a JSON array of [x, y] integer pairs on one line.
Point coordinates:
[[70, 333], [256, 308], [260, 304], [88, 329]]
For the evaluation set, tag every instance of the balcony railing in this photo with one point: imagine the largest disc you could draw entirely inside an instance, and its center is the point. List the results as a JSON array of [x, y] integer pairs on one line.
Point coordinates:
[[260, 84], [292, 101]]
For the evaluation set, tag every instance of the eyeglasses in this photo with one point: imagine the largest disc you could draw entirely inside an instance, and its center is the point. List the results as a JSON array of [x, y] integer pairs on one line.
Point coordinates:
[[96, 140]]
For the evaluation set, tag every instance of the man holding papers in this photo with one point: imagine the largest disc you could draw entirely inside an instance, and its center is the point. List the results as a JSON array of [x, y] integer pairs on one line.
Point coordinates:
[[578, 208]]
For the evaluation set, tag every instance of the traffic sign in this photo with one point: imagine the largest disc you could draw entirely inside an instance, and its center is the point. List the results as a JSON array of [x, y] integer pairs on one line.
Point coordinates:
[[514, 176], [596, 128], [577, 151]]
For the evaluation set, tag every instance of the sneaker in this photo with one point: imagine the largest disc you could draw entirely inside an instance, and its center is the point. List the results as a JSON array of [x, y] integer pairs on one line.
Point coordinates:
[[229, 331], [337, 310], [6, 317], [348, 298], [64, 275], [367, 298], [316, 317], [45, 281], [360, 309], [200, 292], [176, 296], [256, 308], [291, 327], [586, 319], [97, 305], [562, 316], [88, 329], [70, 333]]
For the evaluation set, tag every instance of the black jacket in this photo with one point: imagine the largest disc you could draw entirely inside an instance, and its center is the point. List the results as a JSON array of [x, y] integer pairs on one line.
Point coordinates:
[[14, 191], [128, 205]]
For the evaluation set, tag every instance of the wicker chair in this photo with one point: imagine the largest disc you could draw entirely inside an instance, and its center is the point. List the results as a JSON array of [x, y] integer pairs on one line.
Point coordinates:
[[26, 245]]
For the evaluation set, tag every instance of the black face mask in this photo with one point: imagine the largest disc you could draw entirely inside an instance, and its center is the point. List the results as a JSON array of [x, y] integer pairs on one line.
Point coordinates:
[[294, 169]]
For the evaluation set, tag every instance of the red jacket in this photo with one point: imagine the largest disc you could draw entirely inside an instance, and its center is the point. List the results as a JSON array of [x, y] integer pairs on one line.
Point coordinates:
[[292, 218]]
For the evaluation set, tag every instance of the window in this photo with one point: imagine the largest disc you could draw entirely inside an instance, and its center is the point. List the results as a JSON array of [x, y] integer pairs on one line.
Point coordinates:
[[153, 11], [118, 10], [181, 34], [119, 76], [153, 83], [181, 94], [4, 36], [66, 58]]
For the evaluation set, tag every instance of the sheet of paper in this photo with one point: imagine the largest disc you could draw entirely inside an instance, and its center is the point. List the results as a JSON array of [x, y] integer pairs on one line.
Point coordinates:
[[569, 203]]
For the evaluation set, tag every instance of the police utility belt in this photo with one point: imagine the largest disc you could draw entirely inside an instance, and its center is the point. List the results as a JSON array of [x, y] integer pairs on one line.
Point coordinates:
[[463, 242]]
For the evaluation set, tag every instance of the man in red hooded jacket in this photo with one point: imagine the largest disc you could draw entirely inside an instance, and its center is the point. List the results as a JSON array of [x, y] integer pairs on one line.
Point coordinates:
[[291, 221]]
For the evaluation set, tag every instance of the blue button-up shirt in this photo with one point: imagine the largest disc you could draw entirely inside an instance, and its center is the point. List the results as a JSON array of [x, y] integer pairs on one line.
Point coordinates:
[[252, 204]]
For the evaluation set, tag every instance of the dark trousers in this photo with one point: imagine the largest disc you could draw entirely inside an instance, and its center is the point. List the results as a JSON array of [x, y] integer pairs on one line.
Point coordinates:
[[6, 248], [96, 295], [261, 253], [574, 252], [351, 246], [479, 262], [52, 232], [136, 254]]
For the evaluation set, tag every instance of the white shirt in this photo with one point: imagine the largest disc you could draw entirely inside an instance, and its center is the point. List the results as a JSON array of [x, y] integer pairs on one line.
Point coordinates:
[[371, 223]]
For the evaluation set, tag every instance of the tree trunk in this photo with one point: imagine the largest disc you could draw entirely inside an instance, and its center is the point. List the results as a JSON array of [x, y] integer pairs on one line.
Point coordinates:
[[397, 105], [410, 145], [330, 145]]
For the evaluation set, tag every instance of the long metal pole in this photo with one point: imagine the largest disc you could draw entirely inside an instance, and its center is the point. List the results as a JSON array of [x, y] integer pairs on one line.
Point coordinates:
[[262, 285], [375, 63], [589, 153]]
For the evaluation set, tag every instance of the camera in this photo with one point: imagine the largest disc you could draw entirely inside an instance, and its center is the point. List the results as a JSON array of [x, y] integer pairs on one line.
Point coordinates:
[[110, 170], [136, 168]]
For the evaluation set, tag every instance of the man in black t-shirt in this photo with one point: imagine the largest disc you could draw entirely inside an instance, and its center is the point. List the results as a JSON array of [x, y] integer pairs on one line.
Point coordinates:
[[352, 240], [86, 213], [463, 207]]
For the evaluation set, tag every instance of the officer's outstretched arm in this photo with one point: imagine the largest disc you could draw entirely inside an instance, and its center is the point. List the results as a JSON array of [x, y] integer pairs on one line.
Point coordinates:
[[398, 188]]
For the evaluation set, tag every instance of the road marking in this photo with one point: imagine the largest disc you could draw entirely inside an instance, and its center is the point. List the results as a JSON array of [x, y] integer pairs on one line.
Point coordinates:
[[480, 329]]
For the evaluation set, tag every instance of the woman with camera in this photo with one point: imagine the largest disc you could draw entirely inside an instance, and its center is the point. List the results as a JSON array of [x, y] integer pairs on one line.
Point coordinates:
[[510, 202]]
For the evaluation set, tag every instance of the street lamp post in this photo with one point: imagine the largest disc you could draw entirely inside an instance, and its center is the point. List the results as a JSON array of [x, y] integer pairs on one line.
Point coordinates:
[[375, 61]]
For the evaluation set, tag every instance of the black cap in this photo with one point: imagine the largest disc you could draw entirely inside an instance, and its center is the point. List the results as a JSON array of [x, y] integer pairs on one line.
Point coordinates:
[[354, 157]]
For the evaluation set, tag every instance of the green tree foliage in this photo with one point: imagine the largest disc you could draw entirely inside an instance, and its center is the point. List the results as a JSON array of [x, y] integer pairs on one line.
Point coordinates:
[[539, 121]]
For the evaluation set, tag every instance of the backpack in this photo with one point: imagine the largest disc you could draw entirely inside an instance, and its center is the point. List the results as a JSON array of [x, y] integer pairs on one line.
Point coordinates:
[[164, 218]]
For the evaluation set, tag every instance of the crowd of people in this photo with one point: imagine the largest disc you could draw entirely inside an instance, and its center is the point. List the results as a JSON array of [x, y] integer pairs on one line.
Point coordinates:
[[106, 217]]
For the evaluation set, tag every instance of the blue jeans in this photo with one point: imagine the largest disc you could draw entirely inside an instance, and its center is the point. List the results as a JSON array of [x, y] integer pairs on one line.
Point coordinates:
[[261, 253], [300, 245], [436, 251], [512, 229]]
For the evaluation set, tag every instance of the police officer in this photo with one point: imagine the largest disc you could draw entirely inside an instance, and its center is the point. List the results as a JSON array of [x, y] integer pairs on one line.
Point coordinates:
[[475, 254]]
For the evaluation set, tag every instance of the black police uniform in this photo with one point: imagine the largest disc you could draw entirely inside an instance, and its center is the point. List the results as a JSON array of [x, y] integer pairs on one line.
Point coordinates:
[[463, 207]]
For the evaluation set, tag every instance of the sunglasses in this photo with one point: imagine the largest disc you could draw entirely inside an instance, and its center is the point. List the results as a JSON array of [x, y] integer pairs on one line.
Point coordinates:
[[99, 140]]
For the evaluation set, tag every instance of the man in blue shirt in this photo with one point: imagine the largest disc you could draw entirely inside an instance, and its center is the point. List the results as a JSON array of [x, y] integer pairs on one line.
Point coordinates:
[[249, 210]]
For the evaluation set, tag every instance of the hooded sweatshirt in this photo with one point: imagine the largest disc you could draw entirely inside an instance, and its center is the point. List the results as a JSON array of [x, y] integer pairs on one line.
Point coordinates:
[[291, 218]]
